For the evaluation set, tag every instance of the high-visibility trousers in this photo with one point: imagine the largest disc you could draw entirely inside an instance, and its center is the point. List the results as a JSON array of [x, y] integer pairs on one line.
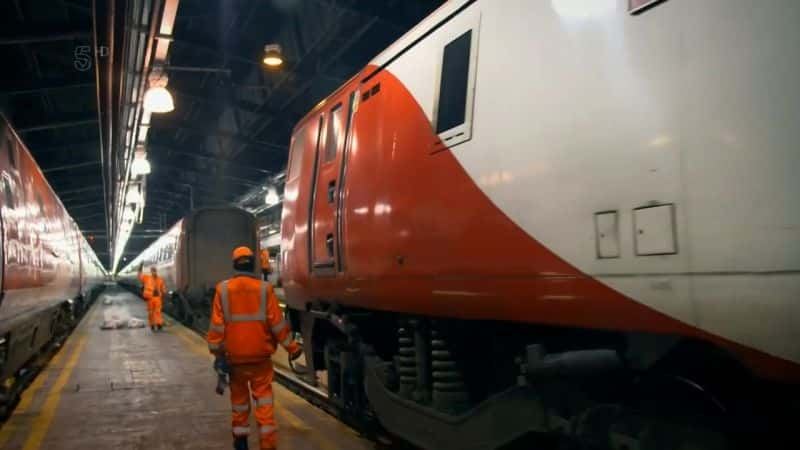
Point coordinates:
[[259, 378], [154, 311]]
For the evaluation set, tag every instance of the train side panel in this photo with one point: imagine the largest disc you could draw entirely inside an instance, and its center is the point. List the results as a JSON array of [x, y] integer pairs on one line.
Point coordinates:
[[591, 183], [41, 263], [42, 279]]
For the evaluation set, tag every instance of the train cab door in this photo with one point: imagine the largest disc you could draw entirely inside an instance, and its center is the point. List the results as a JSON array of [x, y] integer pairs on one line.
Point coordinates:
[[324, 242]]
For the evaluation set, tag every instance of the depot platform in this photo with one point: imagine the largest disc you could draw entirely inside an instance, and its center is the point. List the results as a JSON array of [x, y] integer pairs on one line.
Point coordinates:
[[135, 389]]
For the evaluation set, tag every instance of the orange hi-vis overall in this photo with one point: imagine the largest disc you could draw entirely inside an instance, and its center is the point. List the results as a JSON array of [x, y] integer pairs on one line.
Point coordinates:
[[153, 285], [246, 325]]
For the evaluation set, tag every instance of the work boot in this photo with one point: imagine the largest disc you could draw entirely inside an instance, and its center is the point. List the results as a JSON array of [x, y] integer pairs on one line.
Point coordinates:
[[153, 328], [240, 443]]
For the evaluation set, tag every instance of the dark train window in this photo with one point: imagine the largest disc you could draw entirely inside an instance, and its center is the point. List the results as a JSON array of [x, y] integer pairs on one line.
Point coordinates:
[[453, 85], [8, 193], [40, 203], [334, 133], [12, 153]]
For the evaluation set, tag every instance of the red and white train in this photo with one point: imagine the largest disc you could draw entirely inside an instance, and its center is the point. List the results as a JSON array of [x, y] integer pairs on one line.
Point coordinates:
[[50, 272], [516, 189]]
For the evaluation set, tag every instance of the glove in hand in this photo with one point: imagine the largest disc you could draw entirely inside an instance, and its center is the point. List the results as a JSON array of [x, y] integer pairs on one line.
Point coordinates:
[[221, 365]]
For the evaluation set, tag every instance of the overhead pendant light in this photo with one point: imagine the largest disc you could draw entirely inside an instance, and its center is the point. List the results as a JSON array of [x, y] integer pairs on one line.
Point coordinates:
[[272, 197], [141, 166], [272, 55], [157, 99]]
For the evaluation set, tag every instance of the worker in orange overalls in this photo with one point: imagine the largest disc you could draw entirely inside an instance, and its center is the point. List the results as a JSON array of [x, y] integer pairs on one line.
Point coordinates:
[[246, 326], [152, 292], [266, 268]]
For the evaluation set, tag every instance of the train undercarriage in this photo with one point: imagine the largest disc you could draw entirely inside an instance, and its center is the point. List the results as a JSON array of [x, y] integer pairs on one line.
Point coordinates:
[[441, 383]]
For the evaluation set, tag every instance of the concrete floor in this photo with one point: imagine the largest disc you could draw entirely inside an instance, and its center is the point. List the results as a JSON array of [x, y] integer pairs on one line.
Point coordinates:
[[133, 389]]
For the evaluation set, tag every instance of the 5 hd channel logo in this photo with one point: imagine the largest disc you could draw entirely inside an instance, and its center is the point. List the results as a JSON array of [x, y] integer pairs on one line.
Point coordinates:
[[83, 56]]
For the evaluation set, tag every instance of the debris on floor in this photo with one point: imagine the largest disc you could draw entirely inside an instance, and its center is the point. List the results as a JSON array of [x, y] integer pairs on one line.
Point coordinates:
[[118, 316], [115, 323]]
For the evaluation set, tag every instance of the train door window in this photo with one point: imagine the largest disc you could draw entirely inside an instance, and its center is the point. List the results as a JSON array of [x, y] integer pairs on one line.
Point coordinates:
[[456, 89], [334, 134], [8, 193], [298, 148]]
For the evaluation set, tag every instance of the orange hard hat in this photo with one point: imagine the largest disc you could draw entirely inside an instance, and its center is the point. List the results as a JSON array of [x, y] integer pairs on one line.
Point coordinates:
[[241, 252], [264, 257]]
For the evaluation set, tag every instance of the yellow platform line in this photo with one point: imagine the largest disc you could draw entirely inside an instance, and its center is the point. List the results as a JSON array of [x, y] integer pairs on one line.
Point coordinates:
[[41, 424], [29, 394]]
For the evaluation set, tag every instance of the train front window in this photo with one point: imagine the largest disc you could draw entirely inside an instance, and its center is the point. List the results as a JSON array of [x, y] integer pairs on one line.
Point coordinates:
[[453, 85]]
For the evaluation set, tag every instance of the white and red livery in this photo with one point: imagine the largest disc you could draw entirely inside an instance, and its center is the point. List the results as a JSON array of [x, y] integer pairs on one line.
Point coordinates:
[[574, 165]]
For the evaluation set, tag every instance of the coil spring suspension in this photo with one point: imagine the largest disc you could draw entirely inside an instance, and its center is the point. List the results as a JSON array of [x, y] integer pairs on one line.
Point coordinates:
[[449, 390], [406, 360]]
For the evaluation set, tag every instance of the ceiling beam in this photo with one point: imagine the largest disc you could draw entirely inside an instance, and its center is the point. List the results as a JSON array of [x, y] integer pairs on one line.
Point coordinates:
[[204, 175], [40, 150], [182, 183], [222, 133], [77, 190], [213, 51], [70, 166], [83, 205], [39, 38], [222, 161], [46, 85], [81, 218], [54, 125], [184, 195], [208, 98]]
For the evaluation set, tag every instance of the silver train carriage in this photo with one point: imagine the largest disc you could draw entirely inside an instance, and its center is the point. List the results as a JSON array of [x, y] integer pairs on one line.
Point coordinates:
[[192, 257]]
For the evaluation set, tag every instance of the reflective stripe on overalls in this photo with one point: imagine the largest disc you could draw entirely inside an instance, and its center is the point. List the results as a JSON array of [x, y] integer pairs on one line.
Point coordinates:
[[259, 316]]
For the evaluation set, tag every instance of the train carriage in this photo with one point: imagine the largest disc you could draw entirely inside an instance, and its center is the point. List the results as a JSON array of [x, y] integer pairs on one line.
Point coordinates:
[[518, 189], [50, 273], [192, 257]]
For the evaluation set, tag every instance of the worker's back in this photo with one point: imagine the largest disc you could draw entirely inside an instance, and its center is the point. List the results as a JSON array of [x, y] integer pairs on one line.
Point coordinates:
[[244, 302]]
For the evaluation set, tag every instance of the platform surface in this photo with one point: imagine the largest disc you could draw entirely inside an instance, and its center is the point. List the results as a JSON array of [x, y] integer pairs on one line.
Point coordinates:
[[135, 389]]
